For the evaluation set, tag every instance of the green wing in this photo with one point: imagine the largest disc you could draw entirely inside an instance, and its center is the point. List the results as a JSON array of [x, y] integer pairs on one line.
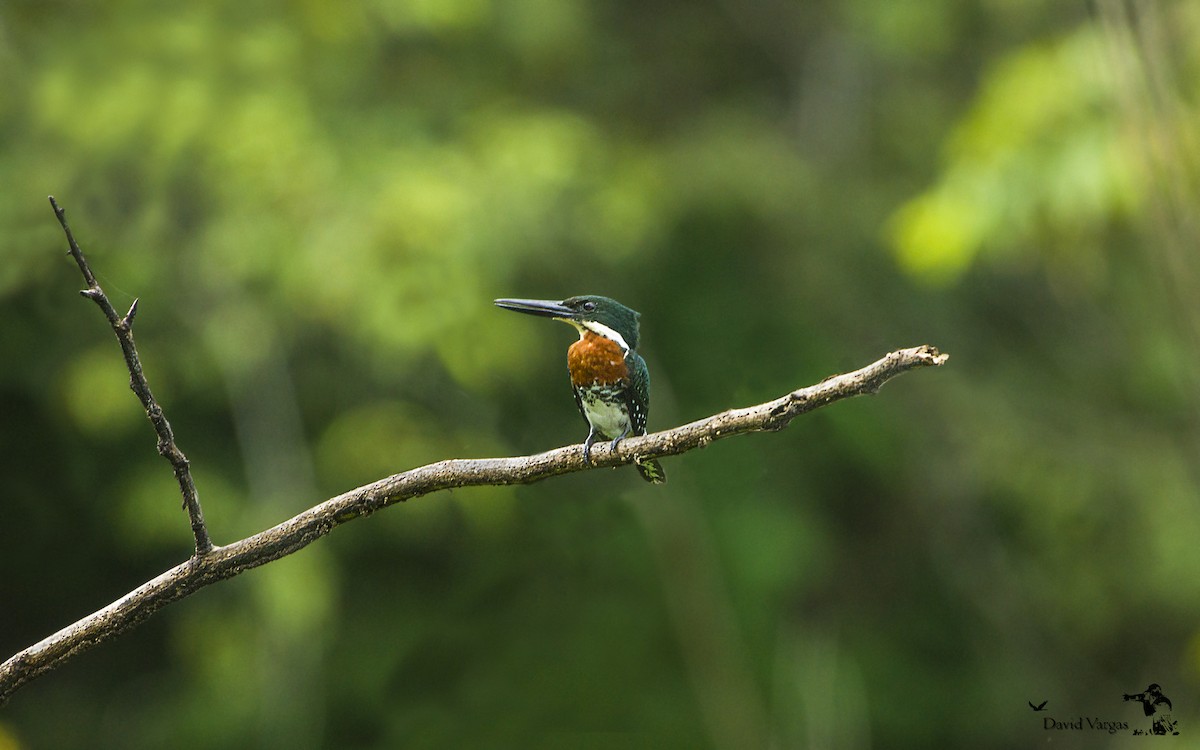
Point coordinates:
[[637, 396], [637, 399]]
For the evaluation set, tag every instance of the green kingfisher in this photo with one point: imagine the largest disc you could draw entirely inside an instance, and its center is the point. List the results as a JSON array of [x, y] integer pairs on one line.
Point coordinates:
[[610, 379]]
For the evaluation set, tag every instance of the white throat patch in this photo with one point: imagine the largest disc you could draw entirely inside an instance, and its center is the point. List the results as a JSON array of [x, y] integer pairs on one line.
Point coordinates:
[[599, 329], [605, 331]]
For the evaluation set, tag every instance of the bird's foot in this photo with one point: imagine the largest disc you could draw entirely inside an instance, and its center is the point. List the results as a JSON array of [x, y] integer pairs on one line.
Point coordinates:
[[587, 448], [613, 445]]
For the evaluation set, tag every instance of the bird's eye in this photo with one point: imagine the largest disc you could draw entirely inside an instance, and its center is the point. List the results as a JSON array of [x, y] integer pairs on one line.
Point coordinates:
[[588, 306]]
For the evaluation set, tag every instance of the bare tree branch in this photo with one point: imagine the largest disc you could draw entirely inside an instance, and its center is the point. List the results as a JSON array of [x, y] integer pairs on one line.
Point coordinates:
[[123, 328], [295, 533], [210, 564]]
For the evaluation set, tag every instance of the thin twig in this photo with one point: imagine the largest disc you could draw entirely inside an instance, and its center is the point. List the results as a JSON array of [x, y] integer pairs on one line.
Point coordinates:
[[123, 328], [296, 533]]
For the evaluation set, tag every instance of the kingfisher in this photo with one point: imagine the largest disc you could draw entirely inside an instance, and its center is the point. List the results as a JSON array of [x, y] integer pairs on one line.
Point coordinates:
[[609, 377]]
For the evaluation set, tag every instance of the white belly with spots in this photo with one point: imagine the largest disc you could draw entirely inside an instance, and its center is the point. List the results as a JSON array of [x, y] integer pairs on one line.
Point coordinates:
[[607, 418]]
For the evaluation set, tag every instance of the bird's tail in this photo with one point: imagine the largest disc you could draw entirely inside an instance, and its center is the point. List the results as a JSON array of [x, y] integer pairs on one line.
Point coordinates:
[[651, 470]]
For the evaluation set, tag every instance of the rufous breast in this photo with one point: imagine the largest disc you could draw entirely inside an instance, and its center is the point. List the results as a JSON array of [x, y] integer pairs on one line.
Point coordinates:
[[596, 359]]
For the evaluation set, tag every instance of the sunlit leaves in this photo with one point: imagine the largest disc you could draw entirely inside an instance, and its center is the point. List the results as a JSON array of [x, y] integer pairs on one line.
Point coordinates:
[[1037, 165]]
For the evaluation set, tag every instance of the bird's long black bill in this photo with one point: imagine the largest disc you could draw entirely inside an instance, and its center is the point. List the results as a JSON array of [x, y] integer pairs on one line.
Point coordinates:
[[544, 307]]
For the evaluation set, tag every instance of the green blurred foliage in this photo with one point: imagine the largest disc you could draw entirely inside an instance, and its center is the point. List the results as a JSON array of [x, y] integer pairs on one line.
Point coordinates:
[[316, 204], [1039, 156]]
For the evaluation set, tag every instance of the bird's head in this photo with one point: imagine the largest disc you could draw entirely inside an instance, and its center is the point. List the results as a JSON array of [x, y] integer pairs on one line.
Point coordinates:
[[588, 312]]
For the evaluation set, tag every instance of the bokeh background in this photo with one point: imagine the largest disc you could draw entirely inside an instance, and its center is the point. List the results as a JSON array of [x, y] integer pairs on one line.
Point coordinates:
[[316, 203]]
